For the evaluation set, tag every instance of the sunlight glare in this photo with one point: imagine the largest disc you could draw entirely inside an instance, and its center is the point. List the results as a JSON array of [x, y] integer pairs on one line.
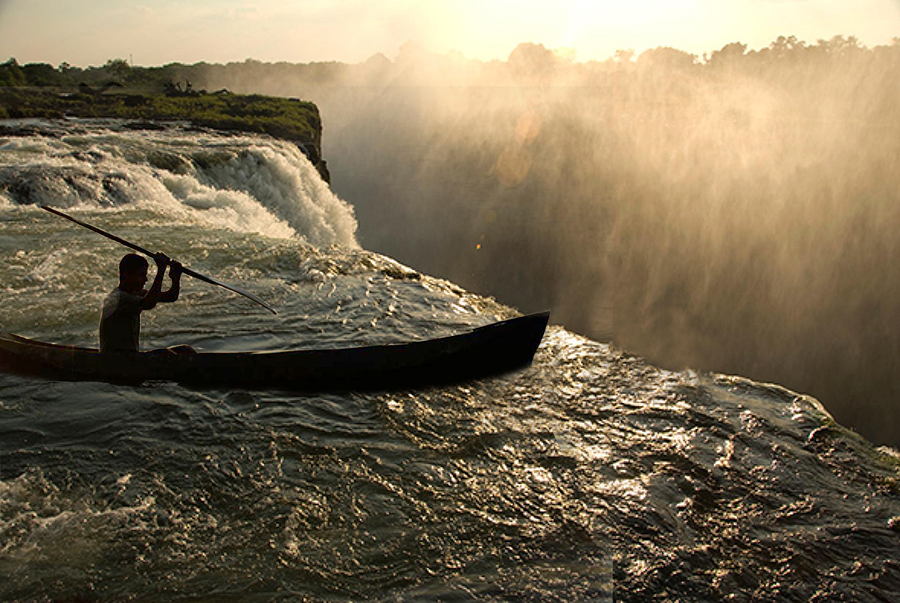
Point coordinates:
[[635, 20]]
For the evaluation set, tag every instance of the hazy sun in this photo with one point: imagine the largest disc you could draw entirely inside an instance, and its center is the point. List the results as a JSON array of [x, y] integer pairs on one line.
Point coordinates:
[[635, 23]]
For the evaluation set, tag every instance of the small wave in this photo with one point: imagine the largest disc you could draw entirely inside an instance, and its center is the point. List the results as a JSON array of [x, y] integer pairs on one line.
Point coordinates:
[[243, 183], [281, 179], [227, 208]]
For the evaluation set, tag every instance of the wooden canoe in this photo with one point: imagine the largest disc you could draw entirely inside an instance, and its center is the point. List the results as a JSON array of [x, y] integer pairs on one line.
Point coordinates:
[[487, 350]]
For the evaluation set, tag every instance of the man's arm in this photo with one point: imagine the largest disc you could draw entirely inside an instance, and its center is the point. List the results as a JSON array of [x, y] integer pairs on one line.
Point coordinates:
[[155, 292], [173, 291]]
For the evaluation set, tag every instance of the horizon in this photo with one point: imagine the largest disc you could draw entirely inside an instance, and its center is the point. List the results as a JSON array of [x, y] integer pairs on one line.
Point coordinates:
[[160, 32], [417, 53], [631, 56]]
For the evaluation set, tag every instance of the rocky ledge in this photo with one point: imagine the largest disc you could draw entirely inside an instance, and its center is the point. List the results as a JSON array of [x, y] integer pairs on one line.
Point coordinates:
[[284, 118]]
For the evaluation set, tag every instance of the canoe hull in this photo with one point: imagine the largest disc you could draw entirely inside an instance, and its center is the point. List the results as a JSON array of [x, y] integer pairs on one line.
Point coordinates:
[[488, 350]]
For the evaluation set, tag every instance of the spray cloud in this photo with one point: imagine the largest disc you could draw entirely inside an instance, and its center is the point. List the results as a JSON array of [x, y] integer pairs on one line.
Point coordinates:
[[737, 213]]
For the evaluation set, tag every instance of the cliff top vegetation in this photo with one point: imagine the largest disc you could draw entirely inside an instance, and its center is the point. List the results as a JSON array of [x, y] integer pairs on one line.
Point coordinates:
[[36, 91]]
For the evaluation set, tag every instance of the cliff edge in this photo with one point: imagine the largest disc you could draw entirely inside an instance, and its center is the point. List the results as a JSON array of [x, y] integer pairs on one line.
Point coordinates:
[[287, 119]]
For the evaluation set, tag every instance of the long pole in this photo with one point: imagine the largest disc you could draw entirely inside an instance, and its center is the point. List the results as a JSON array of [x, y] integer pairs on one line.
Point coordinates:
[[140, 249]]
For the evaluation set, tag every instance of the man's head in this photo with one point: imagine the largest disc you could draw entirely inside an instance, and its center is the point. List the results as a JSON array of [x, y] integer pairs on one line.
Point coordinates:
[[133, 273]]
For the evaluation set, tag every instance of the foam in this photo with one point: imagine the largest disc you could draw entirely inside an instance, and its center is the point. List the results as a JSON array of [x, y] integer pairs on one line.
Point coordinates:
[[241, 183], [282, 180]]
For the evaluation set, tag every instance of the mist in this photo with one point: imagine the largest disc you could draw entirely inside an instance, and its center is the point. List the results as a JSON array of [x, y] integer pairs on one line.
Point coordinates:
[[734, 213]]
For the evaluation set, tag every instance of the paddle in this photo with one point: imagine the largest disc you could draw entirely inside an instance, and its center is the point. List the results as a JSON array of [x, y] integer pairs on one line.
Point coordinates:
[[139, 249]]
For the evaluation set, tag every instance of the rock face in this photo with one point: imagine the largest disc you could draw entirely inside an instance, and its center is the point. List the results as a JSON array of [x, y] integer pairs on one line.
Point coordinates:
[[313, 152], [284, 118]]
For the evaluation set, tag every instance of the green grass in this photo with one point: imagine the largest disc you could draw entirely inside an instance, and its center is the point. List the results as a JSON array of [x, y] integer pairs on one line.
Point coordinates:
[[289, 119]]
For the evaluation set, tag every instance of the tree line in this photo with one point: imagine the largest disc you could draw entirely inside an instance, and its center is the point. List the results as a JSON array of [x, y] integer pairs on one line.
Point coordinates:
[[528, 62]]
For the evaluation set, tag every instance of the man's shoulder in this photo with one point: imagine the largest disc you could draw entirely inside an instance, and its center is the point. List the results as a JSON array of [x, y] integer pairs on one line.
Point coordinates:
[[119, 292], [118, 298]]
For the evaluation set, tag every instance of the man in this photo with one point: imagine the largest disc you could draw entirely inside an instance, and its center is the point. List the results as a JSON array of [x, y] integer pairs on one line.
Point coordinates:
[[120, 322]]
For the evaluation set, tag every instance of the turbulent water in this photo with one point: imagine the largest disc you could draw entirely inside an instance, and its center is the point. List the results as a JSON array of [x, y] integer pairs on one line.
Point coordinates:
[[589, 475]]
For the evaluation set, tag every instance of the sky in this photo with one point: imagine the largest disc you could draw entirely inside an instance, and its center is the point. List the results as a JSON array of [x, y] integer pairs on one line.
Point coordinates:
[[156, 32]]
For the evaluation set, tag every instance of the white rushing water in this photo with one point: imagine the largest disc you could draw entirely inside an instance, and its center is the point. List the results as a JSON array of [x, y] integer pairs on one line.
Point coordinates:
[[244, 184], [590, 475]]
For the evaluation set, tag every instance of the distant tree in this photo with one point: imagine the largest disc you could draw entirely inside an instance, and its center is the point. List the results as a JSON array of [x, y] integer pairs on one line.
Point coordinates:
[[624, 56], [840, 45], [377, 61], [532, 60], [118, 69], [729, 56], [667, 57], [11, 74], [43, 74], [786, 47]]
